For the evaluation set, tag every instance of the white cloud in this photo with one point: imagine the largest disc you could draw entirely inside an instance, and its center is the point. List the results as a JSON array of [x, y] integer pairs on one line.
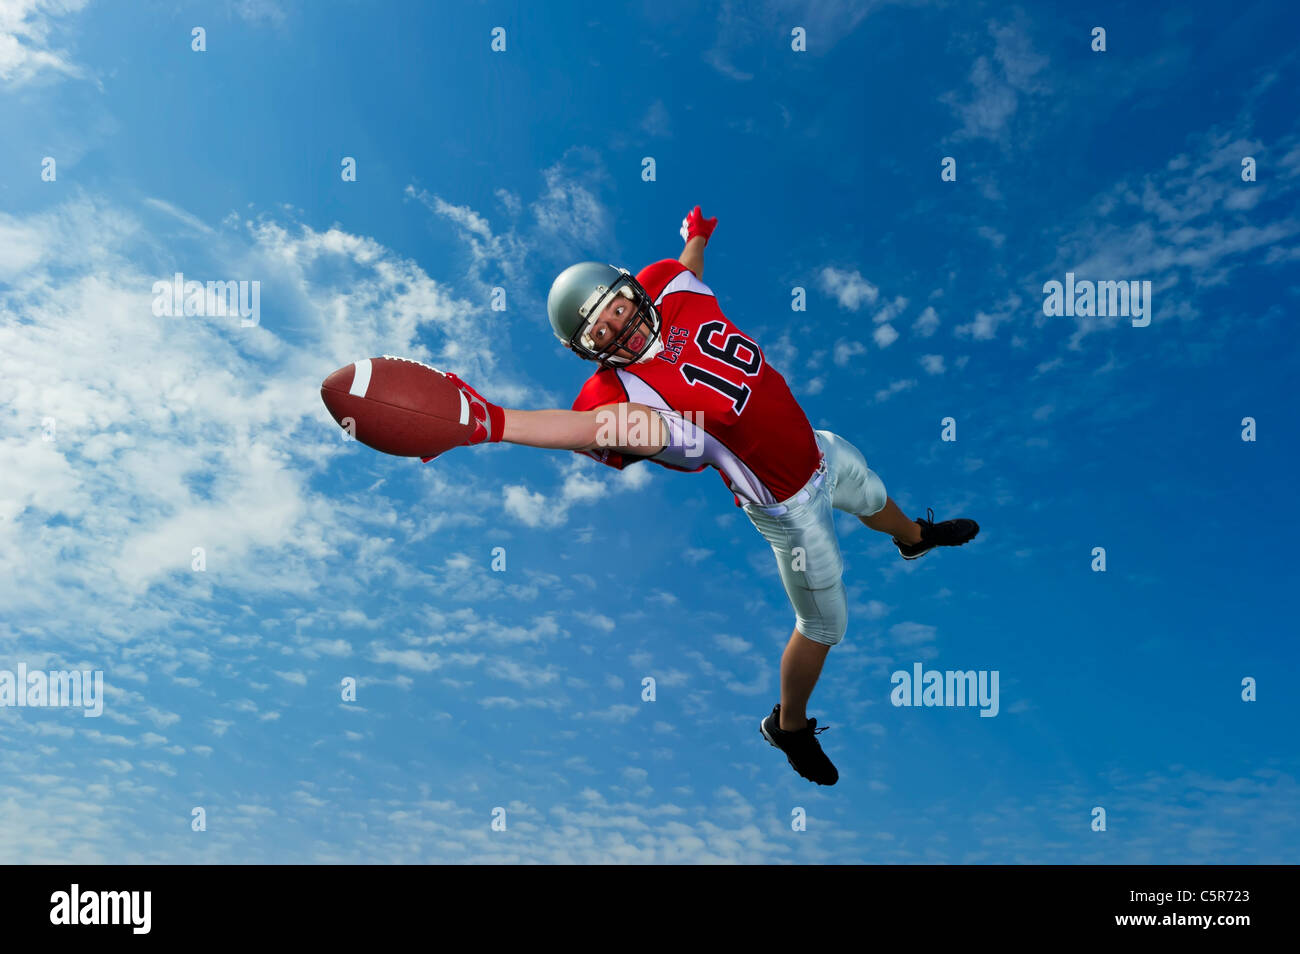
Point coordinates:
[[907, 635], [895, 387], [569, 213], [876, 609], [22, 245], [580, 486], [741, 27], [596, 621], [530, 507], [462, 215], [926, 324], [634, 477], [173, 433], [583, 482], [656, 121], [732, 644], [615, 713], [258, 11], [191, 221], [521, 674], [720, 62], [494, 259], [884, 336], [26, 51], [933, 363], [846, 351], [509, 201], [997, 86], [782, 352], [890, 311], [985, 325], [849, 288], [1182, 227], [412, 659]]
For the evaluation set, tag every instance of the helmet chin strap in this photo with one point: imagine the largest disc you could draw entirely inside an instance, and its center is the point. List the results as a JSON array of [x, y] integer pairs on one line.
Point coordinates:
[[654, 350], [658, 344]]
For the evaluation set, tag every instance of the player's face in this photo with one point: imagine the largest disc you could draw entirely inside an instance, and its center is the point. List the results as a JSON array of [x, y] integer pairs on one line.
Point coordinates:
[[613, 322]]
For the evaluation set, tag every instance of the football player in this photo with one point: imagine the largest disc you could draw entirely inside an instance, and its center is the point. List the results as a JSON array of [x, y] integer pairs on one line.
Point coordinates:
[[679, 384]]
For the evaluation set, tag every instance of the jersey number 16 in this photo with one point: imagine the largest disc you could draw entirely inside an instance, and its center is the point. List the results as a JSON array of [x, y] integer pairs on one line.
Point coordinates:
[[726, 354]]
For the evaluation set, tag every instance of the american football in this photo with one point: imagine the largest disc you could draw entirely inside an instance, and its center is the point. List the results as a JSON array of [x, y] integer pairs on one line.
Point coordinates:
[[398, 406]]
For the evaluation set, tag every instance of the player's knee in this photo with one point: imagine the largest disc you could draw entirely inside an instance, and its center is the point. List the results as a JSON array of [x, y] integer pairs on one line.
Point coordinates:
[[874, 490], [827, 631]]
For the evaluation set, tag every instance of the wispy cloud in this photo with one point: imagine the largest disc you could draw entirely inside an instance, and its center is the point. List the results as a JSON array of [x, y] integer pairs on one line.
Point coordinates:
[[187, 219], [998, 84], [27, 51], [569, 214], [261, 11], [656, 121], [985, 324], [742, 27]]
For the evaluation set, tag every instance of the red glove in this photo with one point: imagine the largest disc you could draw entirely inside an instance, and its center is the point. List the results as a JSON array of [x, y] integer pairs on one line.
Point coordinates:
[[696, 224], [489, 419]]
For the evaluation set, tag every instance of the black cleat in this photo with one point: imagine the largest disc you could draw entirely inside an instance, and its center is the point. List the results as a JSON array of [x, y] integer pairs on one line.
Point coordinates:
[[801, 748], [950, 533]]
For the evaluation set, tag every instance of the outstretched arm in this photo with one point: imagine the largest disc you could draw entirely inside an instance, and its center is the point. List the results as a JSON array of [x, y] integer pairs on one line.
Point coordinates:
[[625, 427], [633, 428]]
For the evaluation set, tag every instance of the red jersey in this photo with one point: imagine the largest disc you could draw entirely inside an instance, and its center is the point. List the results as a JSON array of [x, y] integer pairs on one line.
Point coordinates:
[[724, 406]]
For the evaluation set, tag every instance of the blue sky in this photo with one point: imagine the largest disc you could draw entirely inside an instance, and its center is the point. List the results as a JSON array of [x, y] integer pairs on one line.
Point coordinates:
[[520, 689]]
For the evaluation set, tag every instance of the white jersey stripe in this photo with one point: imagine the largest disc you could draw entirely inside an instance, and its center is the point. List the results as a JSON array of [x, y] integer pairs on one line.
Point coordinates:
[[704, 447], [686, 281]]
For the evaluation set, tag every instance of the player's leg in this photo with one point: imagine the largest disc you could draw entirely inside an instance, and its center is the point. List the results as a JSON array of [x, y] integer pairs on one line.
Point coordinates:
[[860, 491], [801, 665], [808, 559], [889, 519], [811, 568]]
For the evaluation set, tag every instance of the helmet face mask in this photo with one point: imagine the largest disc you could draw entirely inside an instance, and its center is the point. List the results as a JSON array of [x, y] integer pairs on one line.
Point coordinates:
[[580, 296], [619, 351]]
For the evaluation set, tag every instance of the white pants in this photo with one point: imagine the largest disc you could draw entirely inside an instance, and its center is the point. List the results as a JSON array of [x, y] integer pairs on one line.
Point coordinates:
[[801, 531]]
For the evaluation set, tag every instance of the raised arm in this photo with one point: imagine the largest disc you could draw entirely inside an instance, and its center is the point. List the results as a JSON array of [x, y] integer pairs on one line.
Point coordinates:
[[695, 232], [693, 256]]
